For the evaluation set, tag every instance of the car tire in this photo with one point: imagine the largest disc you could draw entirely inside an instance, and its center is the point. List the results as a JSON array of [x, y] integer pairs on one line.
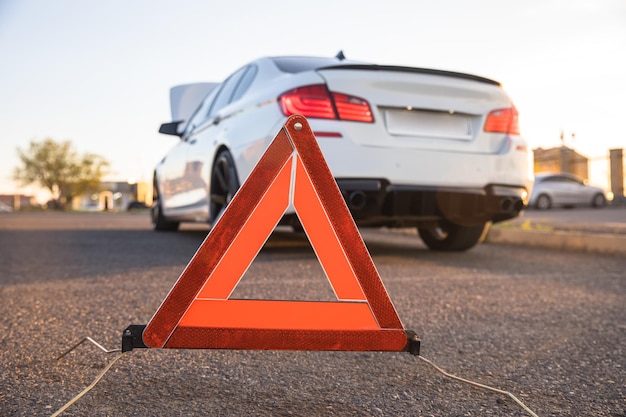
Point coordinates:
[[224, 184], [598, 201], [544, 202], [159, 222], [450, 237]]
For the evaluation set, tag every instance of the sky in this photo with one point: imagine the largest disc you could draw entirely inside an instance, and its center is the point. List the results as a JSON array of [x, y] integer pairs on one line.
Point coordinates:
[[98, 73]]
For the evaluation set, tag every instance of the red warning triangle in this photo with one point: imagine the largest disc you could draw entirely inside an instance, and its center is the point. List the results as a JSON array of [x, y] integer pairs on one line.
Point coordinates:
[[199, 313]]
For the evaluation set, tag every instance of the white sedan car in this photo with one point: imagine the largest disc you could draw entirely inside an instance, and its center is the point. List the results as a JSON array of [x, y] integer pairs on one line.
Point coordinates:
[[409, 147], [565, 190]]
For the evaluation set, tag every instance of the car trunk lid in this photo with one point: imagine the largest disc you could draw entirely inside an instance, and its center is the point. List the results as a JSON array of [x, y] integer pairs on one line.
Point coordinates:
[[421, 108]]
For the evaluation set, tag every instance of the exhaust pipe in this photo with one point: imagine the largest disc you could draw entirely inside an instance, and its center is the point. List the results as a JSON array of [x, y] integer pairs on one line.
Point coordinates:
[[506, 205], [357, 200], [510, 205]]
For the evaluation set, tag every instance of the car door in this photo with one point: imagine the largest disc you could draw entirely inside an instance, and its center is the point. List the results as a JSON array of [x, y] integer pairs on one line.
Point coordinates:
[[581, 193], [203, 139], [171, 186], [554, 187], [573, 191], [183, 183]]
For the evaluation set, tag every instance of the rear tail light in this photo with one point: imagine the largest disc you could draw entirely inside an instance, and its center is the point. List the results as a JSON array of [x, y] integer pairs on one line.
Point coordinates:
[[312, 101], [503, 121], [316, 101], [352, 108]]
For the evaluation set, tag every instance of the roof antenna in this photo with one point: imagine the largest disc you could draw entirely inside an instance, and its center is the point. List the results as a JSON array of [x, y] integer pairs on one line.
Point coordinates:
[[340, 56]]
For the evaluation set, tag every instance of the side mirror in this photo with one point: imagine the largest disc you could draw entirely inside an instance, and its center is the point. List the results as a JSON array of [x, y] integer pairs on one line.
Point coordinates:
[[170, 128]]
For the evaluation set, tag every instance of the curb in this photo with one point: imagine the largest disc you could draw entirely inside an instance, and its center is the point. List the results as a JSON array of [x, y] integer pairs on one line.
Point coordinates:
[[574, 241]]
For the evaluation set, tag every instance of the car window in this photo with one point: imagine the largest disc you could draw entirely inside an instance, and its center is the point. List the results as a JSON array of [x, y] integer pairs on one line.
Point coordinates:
[[227, 90], [560, 179], [244, 83], [201, 113], [293, 65]]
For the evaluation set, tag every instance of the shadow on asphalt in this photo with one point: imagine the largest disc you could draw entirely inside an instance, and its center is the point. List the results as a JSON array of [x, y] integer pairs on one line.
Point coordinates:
[[28, 256]]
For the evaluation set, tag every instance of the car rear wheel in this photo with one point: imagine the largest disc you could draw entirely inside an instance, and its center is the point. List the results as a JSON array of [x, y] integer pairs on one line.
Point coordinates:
[[450, 237], [543, 202], [224, 184], [159, 222], [598, 201]]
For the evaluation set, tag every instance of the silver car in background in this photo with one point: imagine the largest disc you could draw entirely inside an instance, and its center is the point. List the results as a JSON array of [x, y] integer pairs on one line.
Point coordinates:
[[564, 190]]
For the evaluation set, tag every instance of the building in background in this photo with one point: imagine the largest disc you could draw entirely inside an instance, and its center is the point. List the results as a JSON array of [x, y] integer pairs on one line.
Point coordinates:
[[561, 159], [115, 196], [16, 202], [616, 157]]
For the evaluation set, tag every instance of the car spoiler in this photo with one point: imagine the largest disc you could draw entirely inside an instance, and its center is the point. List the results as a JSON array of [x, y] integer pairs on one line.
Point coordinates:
[[372, 67]]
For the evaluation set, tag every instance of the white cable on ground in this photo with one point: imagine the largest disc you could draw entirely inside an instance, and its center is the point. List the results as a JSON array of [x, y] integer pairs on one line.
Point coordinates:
[[476, 384], [86, 390], [89, 339], [110, 364]]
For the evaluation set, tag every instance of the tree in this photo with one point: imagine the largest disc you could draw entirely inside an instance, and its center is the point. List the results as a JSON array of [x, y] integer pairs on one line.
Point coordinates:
[[57, 167]]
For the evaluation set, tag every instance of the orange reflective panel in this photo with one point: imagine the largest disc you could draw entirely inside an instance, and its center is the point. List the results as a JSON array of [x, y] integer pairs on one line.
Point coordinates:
[[271, 314], [247, 244], [199, 313], [323, 238]]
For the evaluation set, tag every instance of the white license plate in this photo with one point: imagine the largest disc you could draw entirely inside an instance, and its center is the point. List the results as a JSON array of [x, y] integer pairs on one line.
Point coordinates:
[[428, 124]]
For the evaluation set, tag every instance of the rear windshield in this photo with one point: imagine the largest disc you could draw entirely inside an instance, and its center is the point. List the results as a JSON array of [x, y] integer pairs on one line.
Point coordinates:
[[299, 64]]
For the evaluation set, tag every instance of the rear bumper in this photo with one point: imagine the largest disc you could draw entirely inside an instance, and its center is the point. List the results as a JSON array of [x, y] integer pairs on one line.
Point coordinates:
[[375, 202]]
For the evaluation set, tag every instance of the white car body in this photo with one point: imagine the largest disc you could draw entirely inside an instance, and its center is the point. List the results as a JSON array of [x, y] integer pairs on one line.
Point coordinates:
[[424, 160]]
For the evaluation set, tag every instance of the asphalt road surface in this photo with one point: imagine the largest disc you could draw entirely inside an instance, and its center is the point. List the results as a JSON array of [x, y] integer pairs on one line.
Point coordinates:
[[548, 326]]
